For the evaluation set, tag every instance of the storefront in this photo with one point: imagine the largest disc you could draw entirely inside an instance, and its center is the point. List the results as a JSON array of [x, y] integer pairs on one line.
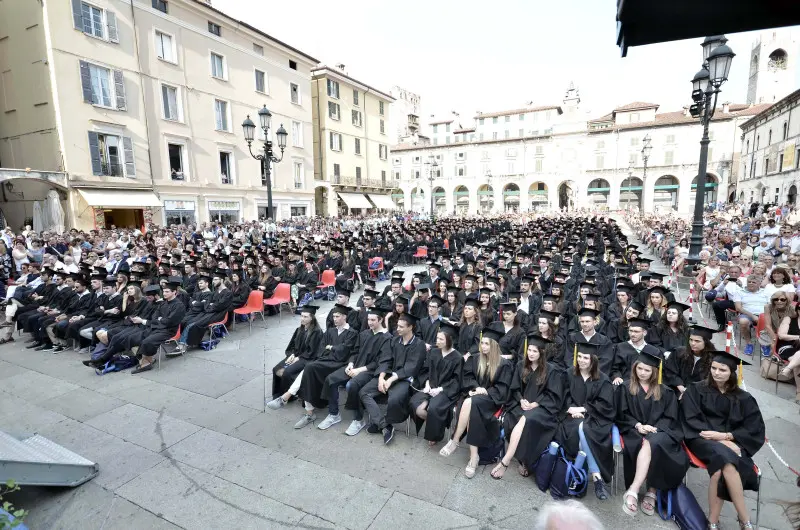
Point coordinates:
[[225, 212], [120, 208], [286, 207], [179, 212]]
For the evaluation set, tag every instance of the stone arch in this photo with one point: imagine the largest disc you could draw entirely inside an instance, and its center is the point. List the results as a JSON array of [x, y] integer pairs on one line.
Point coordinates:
[[538, 196], [598, 193], [791, 197], [567, 194], [399, 199], [712, 183], [665, 192], [321, 196], [631, 193], [511, 197], [461, 200], [485, 199], [439, 200], [778, 60], [418, 200]]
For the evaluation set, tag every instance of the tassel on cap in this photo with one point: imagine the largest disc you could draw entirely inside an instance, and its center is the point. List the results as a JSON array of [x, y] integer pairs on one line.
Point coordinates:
[[526, 346], [660, 371], [575, 355], [740, 375]]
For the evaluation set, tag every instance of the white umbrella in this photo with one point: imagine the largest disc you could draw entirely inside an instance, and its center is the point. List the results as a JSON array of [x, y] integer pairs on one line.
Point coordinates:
[[37, 217], [55, 214]]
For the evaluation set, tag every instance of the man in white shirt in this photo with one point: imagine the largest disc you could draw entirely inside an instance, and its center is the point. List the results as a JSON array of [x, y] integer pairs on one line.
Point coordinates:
[[770, 232], [750, 304]]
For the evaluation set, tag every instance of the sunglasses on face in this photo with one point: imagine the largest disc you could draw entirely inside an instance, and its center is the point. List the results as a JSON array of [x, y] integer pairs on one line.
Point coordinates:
[[779, 299]]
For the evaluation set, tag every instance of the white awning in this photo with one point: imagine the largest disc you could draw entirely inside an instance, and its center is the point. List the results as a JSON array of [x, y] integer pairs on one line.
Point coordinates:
[[120, 198], [382, 201], [355, 200]]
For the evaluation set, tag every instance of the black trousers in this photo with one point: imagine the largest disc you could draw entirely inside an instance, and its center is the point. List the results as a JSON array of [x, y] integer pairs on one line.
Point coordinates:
[[720, 306], [397, 398]]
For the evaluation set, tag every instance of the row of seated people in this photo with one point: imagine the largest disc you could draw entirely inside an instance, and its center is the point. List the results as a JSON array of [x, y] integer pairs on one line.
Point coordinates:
[[540, 399], [105, 317]]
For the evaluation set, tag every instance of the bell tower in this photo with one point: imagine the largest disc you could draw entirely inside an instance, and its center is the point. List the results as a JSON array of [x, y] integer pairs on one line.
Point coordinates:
[[773, 66]]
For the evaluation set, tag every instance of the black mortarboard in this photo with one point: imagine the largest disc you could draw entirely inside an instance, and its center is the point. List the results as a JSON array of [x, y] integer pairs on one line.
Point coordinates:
[[341, 309], [650, 356], [508, 306], [549, 315], [371, 293], [587, 348], [472, 302], [636, 305], [310, 309], [438, 299], [728, 359], [408, 317], [377, 311], [658, 289], [588, 312], [538, 341], [493, 333], [639, 323], [152, 289], [449, 329], [345, 292], [677, 305], [701, 331]]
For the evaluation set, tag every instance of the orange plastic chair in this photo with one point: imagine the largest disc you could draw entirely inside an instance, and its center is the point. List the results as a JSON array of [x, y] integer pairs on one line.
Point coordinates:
[[254, 305], [422, 252], [218, 324], [328, 279], [282, 295], [696, 462], [162, 351], [373, 273]]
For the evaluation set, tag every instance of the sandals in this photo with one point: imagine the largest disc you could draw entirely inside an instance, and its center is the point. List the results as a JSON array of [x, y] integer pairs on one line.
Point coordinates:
[[522, 470], [649, 503], [471, 468], [500, 466], [630, 508], [449, 449]]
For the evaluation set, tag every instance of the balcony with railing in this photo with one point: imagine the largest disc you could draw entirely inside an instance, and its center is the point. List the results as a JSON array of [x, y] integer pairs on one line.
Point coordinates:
[[361, 182], [110, 169]]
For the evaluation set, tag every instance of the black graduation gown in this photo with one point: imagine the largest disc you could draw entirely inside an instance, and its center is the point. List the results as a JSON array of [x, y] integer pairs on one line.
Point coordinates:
[[469, 338], [679, 372], [605, 350], [343, 346], [541, 422], [484, 428], [669, 462], [624, 357], [512, 343], [598, 399], [452, 313], [442, 371], [305, 346], [216, 309], [427, 330], [371, 346], [705, 408], [666, 339]]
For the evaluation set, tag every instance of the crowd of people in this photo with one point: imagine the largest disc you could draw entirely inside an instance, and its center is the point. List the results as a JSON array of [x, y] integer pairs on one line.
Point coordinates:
[[522, 331]]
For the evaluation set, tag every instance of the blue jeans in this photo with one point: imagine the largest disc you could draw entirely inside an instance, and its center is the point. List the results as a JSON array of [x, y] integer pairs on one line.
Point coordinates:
[[333, 399], [185, 333], [584, 445]]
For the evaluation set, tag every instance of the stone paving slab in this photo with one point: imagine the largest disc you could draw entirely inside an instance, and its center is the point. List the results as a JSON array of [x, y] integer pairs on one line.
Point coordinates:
[[402, 511], [82, 404], [201, 376], [20, 417], [146, 428], [34, 387]]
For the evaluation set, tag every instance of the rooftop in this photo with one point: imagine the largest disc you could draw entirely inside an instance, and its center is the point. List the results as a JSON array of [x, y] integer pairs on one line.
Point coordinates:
[[637, 105], [775, 107], [517, 111], [662, 119], [323, 70]]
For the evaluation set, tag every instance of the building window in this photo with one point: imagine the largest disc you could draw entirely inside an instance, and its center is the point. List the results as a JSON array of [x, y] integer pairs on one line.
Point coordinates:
[[383, 177], [333, 110], [461, 156], [435, 128], [538, 165], [292, 64], [357, 118], [435, 141], [758, 139], [780, 163], [383, 151], [494, 135], [510, 167], [634, 142], [214, 29], [506, 134], [298, 211], [358, 145], [298, 175], [333, 89], [355, 97], [521, 117], [258, 49], [380, 108], [175, 154], [633, 159], [480, 137], [668, 158], [599, 162], [494, 120], [261, 81], [670, 138], [397, 175], [106, 153], [358, 175], [92, 20], [160, 5], [101, 85], [382, 127], [336, 141], [165, 47], [171, 103], [217, 66], [221, 122], [447, 127], [521, 133], [601, 144], [508, 119], [769, 137], [797, 160], [747, 146], [337, 171], [710, 154], [294, 90], [766, 166], [785, 130], [539, 150], [447, 139], [511, 152], [225, 168], [297, 134]]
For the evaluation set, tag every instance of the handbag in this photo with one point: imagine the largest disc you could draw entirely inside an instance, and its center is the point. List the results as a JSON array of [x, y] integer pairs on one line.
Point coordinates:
[[680, 505], [769, 370], [543, 469]]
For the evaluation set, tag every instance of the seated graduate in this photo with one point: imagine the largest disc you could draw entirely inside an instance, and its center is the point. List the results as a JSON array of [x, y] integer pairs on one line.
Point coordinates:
[[373, 344], [625, 353], [616, 308], [469, 329], [618, 331], [303, 348], [547, 328], [656, 302], [434, 401], [723, 427], [692, 363], [343, 299], [647, 417], [339, 343], [487, 381], [240, 290], [511, 344], [672, 331], [214, 309], [590, 412], [587, 319], [397, 370], [428, 326], [162, 325], [591, 301], [531, 415], [451, 310]]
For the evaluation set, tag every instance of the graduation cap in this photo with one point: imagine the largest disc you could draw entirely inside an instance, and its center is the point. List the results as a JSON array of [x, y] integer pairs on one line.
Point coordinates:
[[473, 303], [486, 290], [371, 293], [438, 299], [449, 329], [409, 318], [397, 280], [424, 287], [678, 306], [527, 279], [702, 331], [110, 281], [340, 309], [733, 362], [471, 277], [658, 289], [585, 348], [588, 312], [493, 333], [636, 305], [402, 299], [550, 298], [220, 273], [509, 306], [344, 292], [310, 309], [537, 340], [657, 275], [549, 315], [398, 272], [645, 260], [152, 290], [434, 266], [639, 323]]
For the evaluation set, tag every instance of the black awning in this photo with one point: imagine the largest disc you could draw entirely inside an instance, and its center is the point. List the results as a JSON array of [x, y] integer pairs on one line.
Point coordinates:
[[641, 22]]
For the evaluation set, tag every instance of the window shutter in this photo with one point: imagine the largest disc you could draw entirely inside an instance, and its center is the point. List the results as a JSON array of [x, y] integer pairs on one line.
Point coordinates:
[[86, 82], [130, 166], [119, 89], [111, 21], [77, 15], [94, 154]]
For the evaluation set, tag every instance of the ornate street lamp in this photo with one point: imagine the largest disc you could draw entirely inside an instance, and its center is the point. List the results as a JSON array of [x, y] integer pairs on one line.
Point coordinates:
[[706, 84], [646, 148], [267, 156]]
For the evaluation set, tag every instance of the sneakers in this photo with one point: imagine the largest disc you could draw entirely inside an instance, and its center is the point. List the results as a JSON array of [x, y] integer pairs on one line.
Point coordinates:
[[84, 350], [276, 403], [766, 351], [355, 428], [58, 349], [600, 490], [329, 421], [373, 428], [305, 420], [388, 434], [748, 350]]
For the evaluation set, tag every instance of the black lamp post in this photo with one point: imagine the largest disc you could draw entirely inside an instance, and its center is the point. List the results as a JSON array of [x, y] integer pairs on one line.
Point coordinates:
[[646, 148], [432, 170], [267, 156], [629, 185], [717, 57]]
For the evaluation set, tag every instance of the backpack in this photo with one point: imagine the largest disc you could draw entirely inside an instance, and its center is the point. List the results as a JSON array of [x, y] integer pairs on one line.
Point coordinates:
[[492, 453], [543, 469], [681, 506], [117, 363], [568, 479]]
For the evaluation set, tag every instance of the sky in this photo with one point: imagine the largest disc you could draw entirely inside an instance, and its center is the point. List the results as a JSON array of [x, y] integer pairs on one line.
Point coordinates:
[[473, 56]]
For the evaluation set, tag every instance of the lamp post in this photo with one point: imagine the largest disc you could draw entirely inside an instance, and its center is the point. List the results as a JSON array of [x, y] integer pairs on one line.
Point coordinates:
[[490, 197], [646, 148], [629, 186], [717, 57], [264, 119], [432, 173]]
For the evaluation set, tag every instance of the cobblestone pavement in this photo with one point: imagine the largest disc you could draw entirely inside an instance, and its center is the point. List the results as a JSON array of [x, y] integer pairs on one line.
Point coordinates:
[[190, 446]]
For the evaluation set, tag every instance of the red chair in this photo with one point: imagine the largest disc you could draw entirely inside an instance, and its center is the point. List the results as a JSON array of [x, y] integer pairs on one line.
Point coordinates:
[[254, 305], [696, 462], [328, 279], [215, 325], [282, 295], [162, 350], [373, 273], [422, 253]]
